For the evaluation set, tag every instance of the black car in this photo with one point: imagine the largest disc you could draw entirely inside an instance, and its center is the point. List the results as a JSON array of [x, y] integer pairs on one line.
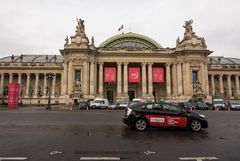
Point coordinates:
[[83, 105], [201, 106], [186, 105], [157, 114]]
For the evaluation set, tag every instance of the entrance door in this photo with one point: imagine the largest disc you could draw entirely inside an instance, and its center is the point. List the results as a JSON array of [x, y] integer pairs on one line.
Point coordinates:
[[110, 96], [131, 95]]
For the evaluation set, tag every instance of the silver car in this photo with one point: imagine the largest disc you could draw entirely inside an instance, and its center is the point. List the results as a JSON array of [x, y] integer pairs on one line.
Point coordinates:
[[234, 105]]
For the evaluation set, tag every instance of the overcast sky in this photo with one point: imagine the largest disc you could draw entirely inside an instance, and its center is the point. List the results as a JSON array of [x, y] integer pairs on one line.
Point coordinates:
[[40, 26]]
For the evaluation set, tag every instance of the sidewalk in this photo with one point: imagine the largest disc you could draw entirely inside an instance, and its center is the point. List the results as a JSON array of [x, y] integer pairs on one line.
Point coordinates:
[[38, 107]]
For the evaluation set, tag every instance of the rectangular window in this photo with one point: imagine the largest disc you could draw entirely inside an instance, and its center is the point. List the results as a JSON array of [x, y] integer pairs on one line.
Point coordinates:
[[77, 75], [194, 76]]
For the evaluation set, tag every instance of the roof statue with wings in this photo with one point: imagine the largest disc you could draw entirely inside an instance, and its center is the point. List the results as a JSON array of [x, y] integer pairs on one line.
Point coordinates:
[[80, 27], [188, 30]]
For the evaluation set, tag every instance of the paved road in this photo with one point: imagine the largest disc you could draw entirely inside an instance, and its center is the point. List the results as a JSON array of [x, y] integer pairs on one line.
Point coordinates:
[[72, 135]]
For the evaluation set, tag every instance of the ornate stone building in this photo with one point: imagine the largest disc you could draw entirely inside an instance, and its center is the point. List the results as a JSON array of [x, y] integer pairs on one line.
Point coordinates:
[[80, 72]]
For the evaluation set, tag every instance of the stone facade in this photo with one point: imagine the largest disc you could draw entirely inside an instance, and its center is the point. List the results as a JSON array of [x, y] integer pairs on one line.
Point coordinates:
[[79, 70]]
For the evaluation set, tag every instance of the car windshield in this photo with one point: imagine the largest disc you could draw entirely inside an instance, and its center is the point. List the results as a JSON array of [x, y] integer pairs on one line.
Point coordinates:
[[135, 102], [235, 103], [218, 102], [97, 101]]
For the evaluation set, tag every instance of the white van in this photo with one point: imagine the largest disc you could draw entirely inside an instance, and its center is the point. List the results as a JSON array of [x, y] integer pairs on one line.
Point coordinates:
[[99, 103], [218, 103]]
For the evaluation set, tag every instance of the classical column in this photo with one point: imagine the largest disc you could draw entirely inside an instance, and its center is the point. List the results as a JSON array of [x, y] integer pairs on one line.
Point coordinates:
[[20, 79], [213, 85], [85, 79], [119, 79], [125, 81], [187, 81], [168, 79], [144, 83], [54, 85], [206, 79], [45, 85], [36, 85], [101, 79], [92, 91], [28, 84], [174, 79], [150, 83], [229, 86], [237, 85], [10, 77], [179, 78], [64, 78], [2, 83], [202, 76], [221, 84], [70, 76]]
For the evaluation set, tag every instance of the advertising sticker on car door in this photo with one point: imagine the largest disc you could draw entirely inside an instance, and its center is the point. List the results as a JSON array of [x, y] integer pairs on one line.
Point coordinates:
[[176, 121], [156, 120]]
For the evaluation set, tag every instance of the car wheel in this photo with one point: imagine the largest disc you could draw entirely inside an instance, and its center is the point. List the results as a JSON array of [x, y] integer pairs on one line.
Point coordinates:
[[195, 125], [141, 124]]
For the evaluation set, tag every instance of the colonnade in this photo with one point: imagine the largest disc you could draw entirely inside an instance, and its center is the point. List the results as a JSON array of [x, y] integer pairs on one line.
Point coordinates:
[[232, 86], [34, 92]]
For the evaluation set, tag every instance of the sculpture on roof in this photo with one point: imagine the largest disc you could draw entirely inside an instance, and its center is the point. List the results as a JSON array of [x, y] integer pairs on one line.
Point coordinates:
[[80, 27], [92, 40], [12, 57], [66, 41], [190, 39], [21, 58], [46, 58], [188, 30]]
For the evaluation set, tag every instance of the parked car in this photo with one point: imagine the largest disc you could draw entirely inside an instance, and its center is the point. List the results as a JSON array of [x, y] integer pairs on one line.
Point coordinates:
[[185, 105], [123, 105], [201, 106], [99, 103], [83, 105], [218, 103], [136, 101], [234, 105], [157, 114]]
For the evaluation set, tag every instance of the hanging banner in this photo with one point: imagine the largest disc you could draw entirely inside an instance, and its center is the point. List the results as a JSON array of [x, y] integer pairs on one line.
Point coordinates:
[[158, 75], [13, 95], [109, 74], [134, 75]]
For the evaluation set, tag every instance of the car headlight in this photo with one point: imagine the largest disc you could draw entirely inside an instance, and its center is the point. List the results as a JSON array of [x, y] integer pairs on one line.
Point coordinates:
[[202, 116]]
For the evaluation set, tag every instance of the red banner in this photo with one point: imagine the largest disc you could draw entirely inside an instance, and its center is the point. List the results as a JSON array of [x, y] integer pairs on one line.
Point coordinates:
[[109, 74], [134, 75], [158, 75], [13, 95]]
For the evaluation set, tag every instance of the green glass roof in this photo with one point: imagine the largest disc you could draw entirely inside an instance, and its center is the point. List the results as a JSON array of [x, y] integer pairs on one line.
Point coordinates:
[[130, 40]]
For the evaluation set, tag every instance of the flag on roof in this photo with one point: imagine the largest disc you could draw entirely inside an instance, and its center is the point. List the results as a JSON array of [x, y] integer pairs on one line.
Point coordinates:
[[120, 28]]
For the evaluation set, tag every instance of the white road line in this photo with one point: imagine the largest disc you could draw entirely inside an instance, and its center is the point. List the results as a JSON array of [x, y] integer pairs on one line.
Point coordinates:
[[100, 158], [12, 158], [197, 158]]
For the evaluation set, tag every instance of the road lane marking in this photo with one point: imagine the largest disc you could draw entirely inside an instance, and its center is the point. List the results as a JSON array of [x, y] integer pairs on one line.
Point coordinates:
[[197, 158], [12, 158], [100, 158]]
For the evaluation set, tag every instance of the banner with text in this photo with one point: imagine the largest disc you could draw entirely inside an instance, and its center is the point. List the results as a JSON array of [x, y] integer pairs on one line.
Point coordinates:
[[13, 95], [134, 75], [158, 75], [109, 74]]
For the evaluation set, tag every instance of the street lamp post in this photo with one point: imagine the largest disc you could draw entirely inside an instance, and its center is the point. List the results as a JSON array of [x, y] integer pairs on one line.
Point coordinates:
[[49, 78]]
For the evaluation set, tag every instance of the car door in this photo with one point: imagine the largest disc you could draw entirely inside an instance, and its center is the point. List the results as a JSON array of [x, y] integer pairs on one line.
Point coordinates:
[[155, 114], [173, 115]]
